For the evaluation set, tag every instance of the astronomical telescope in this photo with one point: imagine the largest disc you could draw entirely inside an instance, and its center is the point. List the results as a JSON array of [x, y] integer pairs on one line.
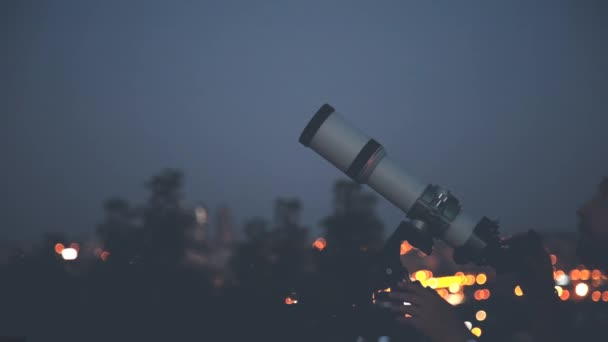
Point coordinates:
[[432, 211]]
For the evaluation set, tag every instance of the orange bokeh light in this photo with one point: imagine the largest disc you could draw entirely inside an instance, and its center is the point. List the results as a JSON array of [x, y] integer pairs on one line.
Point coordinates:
[[585, 274], [596, 275], [290, 301], [486, 293], [553, 259], [605, 296], [481, 278], [518, 291], [482, 294], [596, 296], [575, 275], [104, 255], [405, 247], [320, 244], [565, 295], [59, 248]]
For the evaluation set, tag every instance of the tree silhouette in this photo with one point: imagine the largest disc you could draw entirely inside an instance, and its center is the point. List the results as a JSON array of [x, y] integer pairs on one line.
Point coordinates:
[[354, 224], [353, 233], [165, 220], [120, 232]]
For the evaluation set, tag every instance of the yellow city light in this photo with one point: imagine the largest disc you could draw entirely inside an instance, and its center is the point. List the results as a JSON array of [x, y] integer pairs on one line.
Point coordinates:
[[481, 278], [518, 291]]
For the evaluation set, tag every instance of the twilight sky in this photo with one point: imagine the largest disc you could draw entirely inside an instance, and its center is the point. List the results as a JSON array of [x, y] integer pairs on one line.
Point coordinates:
[[505, 103]]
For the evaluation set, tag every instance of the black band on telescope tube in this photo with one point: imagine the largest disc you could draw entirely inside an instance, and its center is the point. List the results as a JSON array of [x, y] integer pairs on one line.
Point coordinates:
[[315, 123], [357, 167]]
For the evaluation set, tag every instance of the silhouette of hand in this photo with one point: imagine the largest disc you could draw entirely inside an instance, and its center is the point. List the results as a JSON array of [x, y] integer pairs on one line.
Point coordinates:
[[427, 312], [535, 274], [535, 271]]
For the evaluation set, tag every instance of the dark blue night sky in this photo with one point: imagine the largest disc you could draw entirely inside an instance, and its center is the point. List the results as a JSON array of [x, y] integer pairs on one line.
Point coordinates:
[[505, 103]]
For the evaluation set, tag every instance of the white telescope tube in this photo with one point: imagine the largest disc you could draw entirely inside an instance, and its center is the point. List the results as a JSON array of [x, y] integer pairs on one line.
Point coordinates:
[[365, 161]]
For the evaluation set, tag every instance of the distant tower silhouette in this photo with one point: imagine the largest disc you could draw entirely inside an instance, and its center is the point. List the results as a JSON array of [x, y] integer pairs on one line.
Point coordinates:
[[224, 226], [196, 236], [201, 217]]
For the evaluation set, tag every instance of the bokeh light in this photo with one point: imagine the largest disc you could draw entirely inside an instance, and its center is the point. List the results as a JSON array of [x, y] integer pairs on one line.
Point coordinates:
[[553, 259], [575, 275], [420, 275], [481, 278], [565, 295], [69, 254], [455, 298], [596, 296], [104, 255], [201, 215], [561, 278], [481, 315], [319, 244], [405, 247], [581, 289], [443, 293], [518, 291], [486, 293], [454, 288], [76, 246], [482, 294], [476, 331], [59, 247]]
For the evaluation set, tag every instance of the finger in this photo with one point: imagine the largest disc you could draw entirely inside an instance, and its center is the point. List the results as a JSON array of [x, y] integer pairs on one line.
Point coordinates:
[[408, 285], [412, 321], [406, 297], [402, 310], [417, 289], [399, 308]]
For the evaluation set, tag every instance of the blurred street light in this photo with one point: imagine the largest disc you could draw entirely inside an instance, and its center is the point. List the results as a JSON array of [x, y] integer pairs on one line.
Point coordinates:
[[69, 254]]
